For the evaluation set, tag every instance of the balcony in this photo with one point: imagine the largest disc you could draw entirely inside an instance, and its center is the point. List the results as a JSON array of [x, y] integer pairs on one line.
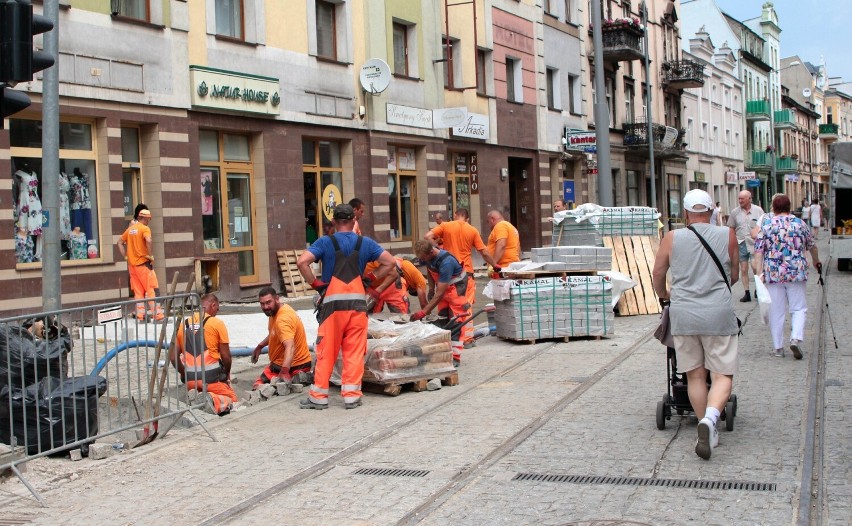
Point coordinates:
[[828, 132], [683, 74], [622, 44], [785, 119], [668, 142], [786, 165], [757, 110], [757, 161]]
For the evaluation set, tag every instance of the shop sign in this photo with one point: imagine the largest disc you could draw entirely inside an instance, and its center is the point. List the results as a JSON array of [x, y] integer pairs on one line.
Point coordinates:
[[568, 191], [408, 116], [731, 177], [792, 178], [331, 197], [228, 90], [699, 177], [448, 117], [753, 183], [745, 176], [475, 126], [584, 141], [474, 175]]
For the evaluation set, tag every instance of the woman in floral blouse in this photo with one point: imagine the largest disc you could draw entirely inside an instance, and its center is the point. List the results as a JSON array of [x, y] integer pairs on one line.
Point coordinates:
[[779, 251]]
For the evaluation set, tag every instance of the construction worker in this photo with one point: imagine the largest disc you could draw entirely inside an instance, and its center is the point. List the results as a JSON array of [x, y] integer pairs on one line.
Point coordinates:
[[359, 207], [136, 246], [447, 283], [202, 356], [343, 308], [504, 244], [288, 346], [395, 288], [460, 238]]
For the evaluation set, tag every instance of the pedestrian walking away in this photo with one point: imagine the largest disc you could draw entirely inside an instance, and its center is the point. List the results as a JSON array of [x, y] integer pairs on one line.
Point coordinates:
[[779, 259], [202, 357], [288, 346], [743, 220], [343, 308], [136, 246], [703, 323], [816, 217]]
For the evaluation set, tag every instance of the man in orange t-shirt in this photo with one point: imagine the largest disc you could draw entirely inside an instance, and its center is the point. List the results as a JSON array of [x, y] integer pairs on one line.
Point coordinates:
[[504, 242], [136, 246], [394, 288], [288, 345], [460, 238]]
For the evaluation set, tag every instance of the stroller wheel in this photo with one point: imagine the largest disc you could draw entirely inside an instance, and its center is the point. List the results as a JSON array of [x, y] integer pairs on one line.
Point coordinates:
[[661, 415], [730, 410], [733, 399]]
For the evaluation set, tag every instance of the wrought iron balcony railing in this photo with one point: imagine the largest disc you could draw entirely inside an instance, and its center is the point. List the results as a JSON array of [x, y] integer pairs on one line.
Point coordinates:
[[683, 74], [622, 44]]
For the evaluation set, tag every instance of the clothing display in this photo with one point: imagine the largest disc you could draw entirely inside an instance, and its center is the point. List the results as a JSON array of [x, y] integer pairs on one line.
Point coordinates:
[[29, 204], [64, 207], [81, 213], [79, 245], [24, 248]]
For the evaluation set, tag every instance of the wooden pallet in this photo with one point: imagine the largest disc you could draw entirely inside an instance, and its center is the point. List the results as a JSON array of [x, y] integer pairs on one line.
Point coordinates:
[[635, 256], [294, 283], [417, 385]]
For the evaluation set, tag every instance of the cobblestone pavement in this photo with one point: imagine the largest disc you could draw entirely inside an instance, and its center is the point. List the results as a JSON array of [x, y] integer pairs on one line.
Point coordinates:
[[582, 408]]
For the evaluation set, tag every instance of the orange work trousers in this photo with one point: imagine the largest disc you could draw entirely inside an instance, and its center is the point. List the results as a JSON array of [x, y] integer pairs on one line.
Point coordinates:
[[222, 393], [453, 305], [396, 300], [344, 331], [470, 296], [142, 281]]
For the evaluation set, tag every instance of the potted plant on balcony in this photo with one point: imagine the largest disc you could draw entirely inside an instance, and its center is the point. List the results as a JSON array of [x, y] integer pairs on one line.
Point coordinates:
[[616, 24], [794, 156]]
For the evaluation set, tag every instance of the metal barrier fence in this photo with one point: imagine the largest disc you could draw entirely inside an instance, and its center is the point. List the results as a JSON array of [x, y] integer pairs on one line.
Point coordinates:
[[73, 376]]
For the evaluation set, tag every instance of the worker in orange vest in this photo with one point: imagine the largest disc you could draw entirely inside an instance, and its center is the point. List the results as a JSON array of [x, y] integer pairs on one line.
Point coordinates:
[[448, 280], [395, 288], [202, 356], [287, 342], [343, 308], [136, 246]]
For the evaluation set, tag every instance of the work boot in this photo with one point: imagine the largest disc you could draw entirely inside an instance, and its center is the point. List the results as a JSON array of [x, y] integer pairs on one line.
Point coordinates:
[[308, 404], [209, 405], [746, 298], [352, 405]]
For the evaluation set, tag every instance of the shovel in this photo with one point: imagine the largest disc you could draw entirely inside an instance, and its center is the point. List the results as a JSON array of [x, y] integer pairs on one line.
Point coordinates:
[[146, 434]]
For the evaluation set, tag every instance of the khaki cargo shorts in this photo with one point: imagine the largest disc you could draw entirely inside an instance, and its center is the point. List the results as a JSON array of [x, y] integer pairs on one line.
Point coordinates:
[[718, 354]]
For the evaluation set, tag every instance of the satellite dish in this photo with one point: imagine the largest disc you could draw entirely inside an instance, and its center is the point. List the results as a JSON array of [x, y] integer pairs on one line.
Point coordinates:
[[806, 92], [375, 75]]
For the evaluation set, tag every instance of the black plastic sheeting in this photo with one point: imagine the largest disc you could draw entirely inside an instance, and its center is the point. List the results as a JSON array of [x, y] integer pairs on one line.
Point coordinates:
[[25, 359], [51, 413]]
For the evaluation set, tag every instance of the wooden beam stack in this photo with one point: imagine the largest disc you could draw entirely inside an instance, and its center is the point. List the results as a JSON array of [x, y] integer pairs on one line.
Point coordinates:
[[635, 257]]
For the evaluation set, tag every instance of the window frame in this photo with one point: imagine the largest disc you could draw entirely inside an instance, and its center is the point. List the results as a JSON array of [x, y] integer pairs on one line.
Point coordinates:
[[482, 71], [118, 9], [554, 101], [132, 167], [514, 87], [242, 21], [332, 31], [405, 50], [398, 173]]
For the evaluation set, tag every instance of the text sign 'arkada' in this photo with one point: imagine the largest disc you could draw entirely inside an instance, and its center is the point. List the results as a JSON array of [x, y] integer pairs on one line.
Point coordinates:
[[475, 126]]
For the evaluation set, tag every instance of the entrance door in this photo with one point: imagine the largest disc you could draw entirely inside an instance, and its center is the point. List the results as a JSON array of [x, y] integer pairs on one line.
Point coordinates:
[[240, 222], [522, 201]]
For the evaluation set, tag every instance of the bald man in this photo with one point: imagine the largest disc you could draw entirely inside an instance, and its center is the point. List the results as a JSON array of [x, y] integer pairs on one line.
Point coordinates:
[[504, 243], [742, 220]]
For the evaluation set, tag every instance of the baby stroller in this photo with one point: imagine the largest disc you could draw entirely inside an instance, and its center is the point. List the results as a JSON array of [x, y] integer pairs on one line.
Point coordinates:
[[677, 397]]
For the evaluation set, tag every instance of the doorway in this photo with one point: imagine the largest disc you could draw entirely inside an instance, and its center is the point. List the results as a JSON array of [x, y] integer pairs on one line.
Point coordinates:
[[522, 201]]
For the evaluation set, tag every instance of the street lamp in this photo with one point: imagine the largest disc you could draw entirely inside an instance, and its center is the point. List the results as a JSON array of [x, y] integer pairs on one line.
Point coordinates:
[[601, 112]]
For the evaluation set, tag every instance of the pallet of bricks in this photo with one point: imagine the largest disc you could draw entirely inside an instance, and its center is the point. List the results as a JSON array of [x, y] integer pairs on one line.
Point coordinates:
[[632, 232], [554, 307], [407, 354]]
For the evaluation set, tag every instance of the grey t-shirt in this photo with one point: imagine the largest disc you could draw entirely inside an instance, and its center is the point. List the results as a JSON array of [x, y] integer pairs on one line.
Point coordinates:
[[742, 222]]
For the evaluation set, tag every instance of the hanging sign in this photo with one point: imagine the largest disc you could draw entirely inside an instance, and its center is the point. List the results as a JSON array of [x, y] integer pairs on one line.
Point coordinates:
[[474, 175]]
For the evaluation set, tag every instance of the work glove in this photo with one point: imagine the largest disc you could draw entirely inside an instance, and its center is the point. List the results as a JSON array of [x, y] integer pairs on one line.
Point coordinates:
[[417, 316], [285, 376], [317, 284], [369, 279], [496, 273]]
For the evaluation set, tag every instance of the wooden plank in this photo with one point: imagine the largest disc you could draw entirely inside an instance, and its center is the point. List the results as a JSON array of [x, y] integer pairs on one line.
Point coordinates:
[[634, 275], [651, 301], [650, 259], [293, 283], [629, 307]]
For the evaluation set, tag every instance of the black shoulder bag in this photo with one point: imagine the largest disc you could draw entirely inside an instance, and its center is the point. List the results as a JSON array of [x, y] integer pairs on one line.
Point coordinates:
[[719, 266]]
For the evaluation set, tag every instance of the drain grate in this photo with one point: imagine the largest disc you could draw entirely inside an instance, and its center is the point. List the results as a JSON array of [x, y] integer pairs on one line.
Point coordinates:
[[640, 481], [390, 472]]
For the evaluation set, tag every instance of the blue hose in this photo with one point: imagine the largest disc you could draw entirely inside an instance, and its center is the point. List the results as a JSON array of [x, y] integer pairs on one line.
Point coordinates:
[[239, 351]]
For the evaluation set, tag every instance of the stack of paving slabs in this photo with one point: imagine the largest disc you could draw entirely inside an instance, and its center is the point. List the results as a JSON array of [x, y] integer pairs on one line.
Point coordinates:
[[420, 351], [588, 224], [554, 307], [573, 259]]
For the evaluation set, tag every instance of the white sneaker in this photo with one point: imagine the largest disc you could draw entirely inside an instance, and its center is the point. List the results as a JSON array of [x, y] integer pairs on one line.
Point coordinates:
[[708, 438], [796, 347]]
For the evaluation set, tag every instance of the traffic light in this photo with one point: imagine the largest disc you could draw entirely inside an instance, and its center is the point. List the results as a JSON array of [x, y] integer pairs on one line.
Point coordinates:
[[19, 62]]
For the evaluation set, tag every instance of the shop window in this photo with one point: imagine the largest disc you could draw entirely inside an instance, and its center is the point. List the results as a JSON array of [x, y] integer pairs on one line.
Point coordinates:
[[227, 199], [326, 30], [458, 181], [402, 191], [229, 18], [77, 220], [131, 180], [323, 183], [130, 8]]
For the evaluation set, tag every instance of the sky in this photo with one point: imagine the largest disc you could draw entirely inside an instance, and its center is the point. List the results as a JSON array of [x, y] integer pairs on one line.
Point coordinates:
[[809, 29]]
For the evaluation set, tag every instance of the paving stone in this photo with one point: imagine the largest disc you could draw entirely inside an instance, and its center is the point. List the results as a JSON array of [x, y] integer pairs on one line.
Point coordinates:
[[434, 384], [100, 451], [267, 391]]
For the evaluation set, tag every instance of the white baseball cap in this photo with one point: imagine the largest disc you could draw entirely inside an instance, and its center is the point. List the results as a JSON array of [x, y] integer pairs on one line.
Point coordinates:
[[697, 201]]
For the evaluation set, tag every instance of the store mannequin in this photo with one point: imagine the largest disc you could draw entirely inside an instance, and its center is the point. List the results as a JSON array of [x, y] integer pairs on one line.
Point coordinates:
[[29, 209], [79, 244], [23, 246], [64, 207], [81, 205]]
